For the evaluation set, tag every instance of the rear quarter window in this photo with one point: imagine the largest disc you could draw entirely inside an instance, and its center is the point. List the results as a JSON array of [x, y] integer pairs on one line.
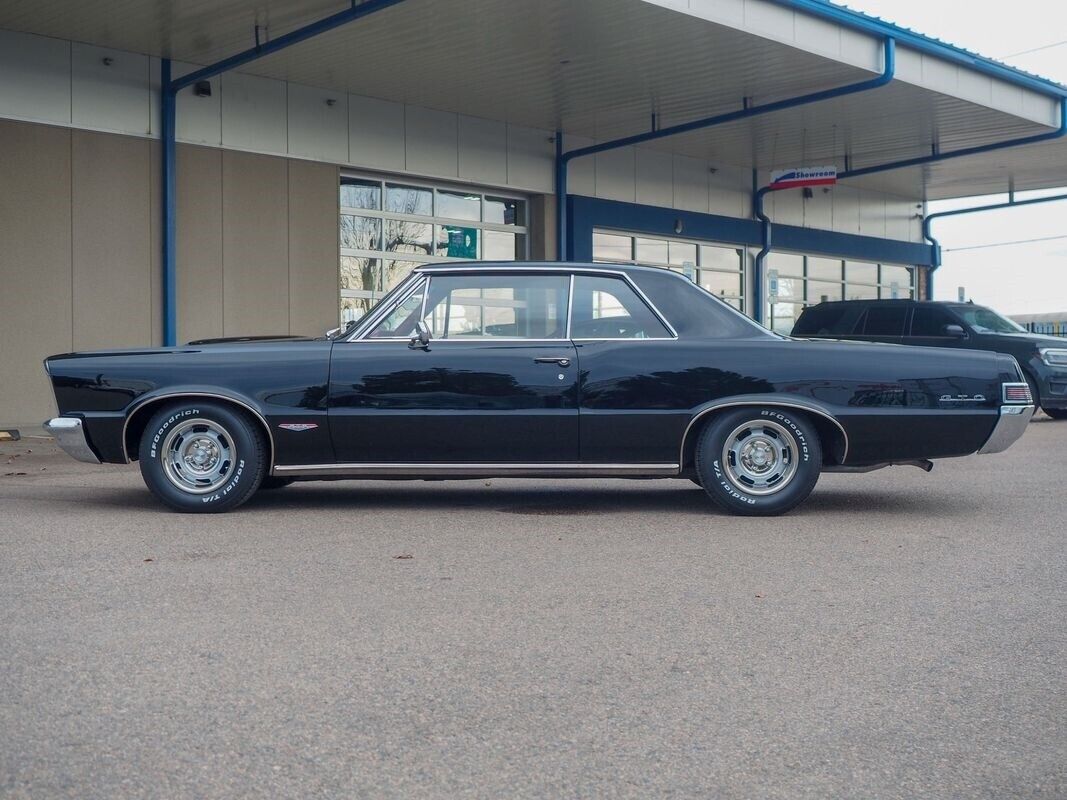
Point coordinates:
[[828, 320]]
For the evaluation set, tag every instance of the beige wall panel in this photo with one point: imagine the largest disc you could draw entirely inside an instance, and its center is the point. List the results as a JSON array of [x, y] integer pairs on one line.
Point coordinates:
[[255, 244], [35, 270], [111, 240], [313, 248], [155, 244], [199, 244]]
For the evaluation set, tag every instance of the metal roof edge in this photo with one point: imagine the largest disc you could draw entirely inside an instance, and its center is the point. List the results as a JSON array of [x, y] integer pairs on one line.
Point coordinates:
[[876, 26]]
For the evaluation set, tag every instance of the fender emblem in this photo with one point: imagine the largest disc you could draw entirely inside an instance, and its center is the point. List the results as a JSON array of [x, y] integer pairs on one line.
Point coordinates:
[[298, 427], [962, 398]]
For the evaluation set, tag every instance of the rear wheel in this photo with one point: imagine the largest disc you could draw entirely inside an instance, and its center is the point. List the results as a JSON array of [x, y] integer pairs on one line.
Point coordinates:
[[759, 461], [202, 457]]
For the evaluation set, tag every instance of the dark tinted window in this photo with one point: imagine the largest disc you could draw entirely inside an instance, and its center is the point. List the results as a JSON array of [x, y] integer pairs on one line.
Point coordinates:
[[930, 321], [885, 321], [828, 320]]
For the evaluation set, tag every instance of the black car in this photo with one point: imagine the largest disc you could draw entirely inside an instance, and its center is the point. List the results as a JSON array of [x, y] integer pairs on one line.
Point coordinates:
[[936, 324], [533, 370]]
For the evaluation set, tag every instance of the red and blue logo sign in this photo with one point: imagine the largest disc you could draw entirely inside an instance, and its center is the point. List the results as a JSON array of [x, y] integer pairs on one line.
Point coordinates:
[[803, 176]]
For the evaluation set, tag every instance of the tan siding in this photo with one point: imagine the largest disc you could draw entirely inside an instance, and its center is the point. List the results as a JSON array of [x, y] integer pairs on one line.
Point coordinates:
[[313, 248], [111, 241], [35, 266], [255, 244], [155, 245], [199, 227]]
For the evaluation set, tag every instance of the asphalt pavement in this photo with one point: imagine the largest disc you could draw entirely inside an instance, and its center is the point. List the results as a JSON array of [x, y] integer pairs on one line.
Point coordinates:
[[902, 635]]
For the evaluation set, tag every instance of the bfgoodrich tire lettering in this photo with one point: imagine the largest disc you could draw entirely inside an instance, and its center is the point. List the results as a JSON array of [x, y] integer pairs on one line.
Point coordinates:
[[202, 457], [759, 461]]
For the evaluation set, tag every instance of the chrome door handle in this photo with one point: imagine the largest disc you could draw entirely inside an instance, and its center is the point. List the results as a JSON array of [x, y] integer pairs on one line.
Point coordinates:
[[562, 362]]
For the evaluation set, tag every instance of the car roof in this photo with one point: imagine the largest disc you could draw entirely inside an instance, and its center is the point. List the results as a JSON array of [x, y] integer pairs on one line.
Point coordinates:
[[540, 266]]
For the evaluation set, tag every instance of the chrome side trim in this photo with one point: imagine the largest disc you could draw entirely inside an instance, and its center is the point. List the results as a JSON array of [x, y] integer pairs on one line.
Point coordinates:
[[483, 470], [69, 433], [170, 395], [757, 400], [1009, 428]]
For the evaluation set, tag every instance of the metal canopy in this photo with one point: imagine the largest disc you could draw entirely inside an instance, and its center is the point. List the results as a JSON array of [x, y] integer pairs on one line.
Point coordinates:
[[596, 69]]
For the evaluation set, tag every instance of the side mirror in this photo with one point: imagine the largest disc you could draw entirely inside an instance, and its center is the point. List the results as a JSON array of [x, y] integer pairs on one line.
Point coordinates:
[[421, 339], [955, 331]]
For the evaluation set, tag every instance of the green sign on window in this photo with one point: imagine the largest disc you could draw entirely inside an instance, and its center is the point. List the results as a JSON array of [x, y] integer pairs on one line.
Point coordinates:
[[462, 242]]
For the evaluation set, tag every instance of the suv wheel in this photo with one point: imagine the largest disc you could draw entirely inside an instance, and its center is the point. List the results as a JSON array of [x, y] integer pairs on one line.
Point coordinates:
[[1056, 413], [759, 461], [202, 457]]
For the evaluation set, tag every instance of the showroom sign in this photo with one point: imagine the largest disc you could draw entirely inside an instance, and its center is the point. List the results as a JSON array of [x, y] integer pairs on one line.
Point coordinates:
[[803, 176]]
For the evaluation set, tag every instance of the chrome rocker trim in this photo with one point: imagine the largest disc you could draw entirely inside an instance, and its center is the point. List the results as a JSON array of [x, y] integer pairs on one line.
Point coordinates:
[[485, 470], [1009, 428], [69, 434]]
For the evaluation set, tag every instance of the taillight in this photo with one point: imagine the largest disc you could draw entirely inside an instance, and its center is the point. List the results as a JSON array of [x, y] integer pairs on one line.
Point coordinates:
[[1018, 393]]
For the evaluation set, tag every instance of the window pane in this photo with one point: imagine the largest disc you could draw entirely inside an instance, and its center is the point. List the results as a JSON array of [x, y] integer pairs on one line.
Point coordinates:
[[459, 205], [456, 242], [861, 272], [611, 247], [650, 251], [401, 321], [500, 246], [783, 315], [721, 283], [408, 200], [790, 289], [356, 193], [899, 275], [885, 321], [720, 257], [786, 263], [353, 308], [853, 292], [408, 237], [681, 252], [607, 308], [360, 274], [516, 306], [821, 291], [361, 233], [828, 269], [395, 272], [505, 211], [930, 321]]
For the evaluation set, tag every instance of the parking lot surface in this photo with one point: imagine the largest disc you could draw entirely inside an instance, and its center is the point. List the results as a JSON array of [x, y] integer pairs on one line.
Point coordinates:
[[900, 635]]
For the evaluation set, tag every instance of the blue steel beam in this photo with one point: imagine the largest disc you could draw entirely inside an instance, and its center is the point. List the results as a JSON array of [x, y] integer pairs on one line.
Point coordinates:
[[563, 159], [169, 89], [936, 245]]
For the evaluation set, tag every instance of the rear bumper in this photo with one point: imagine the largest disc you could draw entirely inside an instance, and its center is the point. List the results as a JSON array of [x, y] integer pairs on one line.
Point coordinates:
[[69, 433], [1009, 428]]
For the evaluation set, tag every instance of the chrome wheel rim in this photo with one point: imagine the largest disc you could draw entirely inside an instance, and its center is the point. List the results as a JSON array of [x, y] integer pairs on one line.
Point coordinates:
[[198, 456], [760, 457]]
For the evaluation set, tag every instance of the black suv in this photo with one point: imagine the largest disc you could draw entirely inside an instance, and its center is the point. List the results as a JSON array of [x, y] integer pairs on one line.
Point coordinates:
[[934, 324]]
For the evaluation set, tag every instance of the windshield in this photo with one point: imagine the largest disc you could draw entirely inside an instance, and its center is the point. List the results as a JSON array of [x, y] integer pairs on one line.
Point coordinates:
[[983, 320]]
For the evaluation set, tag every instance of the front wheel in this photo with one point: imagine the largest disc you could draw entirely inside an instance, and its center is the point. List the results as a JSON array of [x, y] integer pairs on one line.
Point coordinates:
[[202, 457], [759, 461]]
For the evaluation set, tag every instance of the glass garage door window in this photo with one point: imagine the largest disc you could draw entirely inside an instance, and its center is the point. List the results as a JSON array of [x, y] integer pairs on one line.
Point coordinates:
[[719, 268], [388, 227], [807, 280]]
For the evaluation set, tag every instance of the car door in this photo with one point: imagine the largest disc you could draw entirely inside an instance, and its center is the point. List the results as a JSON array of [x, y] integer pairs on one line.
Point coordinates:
[[497, 382]]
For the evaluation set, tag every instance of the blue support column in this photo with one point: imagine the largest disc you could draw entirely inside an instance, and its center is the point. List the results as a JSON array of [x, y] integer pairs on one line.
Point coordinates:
[[761, 256], [167, 107]]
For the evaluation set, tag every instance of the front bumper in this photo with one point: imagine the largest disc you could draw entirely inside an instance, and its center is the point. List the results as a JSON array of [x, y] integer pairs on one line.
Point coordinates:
[[69, 434], [1009, 428]]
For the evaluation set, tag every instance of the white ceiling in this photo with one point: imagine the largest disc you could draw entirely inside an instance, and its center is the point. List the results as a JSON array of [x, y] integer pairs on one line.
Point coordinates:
[[596, 68]]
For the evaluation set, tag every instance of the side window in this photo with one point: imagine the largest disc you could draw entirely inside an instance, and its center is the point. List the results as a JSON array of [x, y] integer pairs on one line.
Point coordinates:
[[609, 308], [837, 319], [930, 321], [400, 322], [498, 306], [885, 321]]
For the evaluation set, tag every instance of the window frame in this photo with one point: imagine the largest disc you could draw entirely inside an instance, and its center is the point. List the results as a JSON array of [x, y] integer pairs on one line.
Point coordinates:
[[417, 279]]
